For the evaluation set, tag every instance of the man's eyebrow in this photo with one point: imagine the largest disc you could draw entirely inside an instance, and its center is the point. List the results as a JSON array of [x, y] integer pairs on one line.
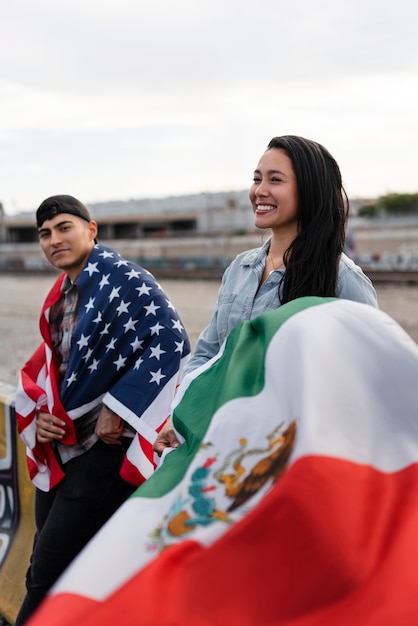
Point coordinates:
[[55, 226]]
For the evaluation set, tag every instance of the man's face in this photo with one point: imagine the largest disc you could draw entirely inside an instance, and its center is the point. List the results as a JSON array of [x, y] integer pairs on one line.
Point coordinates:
[[67, 240]]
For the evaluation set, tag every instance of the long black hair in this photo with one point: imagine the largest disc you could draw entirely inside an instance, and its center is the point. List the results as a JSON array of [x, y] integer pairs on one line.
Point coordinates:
[[312, 258]]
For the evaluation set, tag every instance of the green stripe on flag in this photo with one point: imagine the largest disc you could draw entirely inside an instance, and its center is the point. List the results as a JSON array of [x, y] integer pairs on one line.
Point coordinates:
[[238, 373]]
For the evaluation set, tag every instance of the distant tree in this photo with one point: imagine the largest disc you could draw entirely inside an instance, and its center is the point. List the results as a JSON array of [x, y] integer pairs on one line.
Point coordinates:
[[368, 210], [400, 203], [392, 204]]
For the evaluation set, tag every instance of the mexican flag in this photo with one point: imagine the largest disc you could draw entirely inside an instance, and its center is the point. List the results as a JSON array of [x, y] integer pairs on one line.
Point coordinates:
[[293, 498]]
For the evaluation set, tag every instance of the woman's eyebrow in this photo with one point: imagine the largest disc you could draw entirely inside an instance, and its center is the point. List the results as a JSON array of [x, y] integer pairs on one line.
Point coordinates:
[[272, 172]]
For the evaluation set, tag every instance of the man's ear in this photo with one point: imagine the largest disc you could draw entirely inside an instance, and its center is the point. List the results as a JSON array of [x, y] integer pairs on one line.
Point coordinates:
[[92, 225]]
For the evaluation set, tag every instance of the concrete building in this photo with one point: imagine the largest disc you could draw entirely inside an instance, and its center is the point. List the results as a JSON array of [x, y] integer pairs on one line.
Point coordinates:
[[201, 232], [174, 216]]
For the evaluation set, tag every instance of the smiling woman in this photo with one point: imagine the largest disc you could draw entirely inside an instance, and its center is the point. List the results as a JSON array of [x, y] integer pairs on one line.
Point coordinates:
[[297, 193]]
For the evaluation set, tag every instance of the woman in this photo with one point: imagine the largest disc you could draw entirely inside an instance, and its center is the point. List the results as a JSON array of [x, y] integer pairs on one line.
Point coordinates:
[[298, 194]]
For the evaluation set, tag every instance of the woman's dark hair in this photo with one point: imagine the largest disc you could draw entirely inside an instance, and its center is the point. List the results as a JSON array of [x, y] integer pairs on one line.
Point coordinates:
[[312, 259]]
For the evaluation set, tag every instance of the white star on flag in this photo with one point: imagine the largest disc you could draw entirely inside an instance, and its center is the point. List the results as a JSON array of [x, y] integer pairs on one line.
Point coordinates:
[[133, 274], [137, 344], [83, 341], [156, 377], [114, 294], [157, 352], [155, 330], [106, 254], [93, 366], [130, 324], [88, 355], [151, 309], [120, 362], [143, 289], [111, 344], [90, 304], [177, 324], [105, 330], [98, 318], [104, 280], [91, 268], [123, 308], [72, 379]]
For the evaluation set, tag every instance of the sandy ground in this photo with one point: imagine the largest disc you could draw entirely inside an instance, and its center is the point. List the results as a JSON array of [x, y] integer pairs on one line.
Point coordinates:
[[22, 298]]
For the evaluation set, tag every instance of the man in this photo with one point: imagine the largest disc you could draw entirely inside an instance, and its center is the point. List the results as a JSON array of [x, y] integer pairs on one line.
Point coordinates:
[[92, 397]]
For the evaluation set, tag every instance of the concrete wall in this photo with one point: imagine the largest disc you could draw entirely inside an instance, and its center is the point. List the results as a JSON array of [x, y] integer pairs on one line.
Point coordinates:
[[17, 525]]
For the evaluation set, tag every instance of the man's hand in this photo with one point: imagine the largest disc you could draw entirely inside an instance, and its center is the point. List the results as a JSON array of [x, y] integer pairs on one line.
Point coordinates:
[[166, 438], [49, 427], [109, 426]]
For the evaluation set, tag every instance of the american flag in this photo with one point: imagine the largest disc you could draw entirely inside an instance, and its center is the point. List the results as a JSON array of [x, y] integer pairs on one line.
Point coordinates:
[[128, 350]]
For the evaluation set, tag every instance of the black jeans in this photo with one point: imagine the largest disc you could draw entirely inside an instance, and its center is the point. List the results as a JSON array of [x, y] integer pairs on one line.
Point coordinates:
[[69, 515]]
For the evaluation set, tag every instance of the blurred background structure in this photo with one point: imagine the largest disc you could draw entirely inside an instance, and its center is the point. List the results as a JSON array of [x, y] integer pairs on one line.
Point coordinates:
[[198, 235]]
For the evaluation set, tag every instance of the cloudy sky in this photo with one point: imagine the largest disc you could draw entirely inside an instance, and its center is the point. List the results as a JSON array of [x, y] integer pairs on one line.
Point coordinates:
[[119, 99]]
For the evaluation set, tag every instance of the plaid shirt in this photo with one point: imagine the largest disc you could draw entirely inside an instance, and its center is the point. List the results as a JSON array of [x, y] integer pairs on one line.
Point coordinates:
[[62, 320]]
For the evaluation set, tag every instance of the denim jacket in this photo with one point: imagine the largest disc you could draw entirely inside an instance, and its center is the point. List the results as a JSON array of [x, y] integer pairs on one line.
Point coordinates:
[[240, 297]]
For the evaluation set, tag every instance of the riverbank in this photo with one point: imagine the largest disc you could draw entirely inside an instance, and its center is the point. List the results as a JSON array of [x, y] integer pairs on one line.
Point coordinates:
[[22, 297]]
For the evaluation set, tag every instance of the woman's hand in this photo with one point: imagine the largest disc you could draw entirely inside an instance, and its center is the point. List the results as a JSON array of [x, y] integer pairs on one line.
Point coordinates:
[[49, 427], [166, 438]]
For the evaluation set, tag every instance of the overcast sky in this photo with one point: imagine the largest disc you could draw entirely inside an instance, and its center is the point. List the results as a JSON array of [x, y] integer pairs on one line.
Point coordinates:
[[119, 99]]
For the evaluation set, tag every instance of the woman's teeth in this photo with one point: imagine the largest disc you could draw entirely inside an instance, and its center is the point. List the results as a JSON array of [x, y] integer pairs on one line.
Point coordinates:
[[262, 208]]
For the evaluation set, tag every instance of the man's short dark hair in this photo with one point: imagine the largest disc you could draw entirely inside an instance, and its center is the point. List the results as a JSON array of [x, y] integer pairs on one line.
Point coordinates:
[[61, 204]]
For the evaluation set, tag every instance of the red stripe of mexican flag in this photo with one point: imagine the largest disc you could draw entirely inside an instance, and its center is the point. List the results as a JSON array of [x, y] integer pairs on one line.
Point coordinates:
[[219, 535], [296, 560]]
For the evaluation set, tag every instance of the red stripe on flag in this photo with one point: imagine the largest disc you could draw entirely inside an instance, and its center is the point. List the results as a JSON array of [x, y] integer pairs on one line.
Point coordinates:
[[131, 474], [140, 458], [146, 446], [65, 608]]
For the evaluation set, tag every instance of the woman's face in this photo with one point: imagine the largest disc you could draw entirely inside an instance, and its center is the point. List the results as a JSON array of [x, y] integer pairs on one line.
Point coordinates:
[[274, 194]]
